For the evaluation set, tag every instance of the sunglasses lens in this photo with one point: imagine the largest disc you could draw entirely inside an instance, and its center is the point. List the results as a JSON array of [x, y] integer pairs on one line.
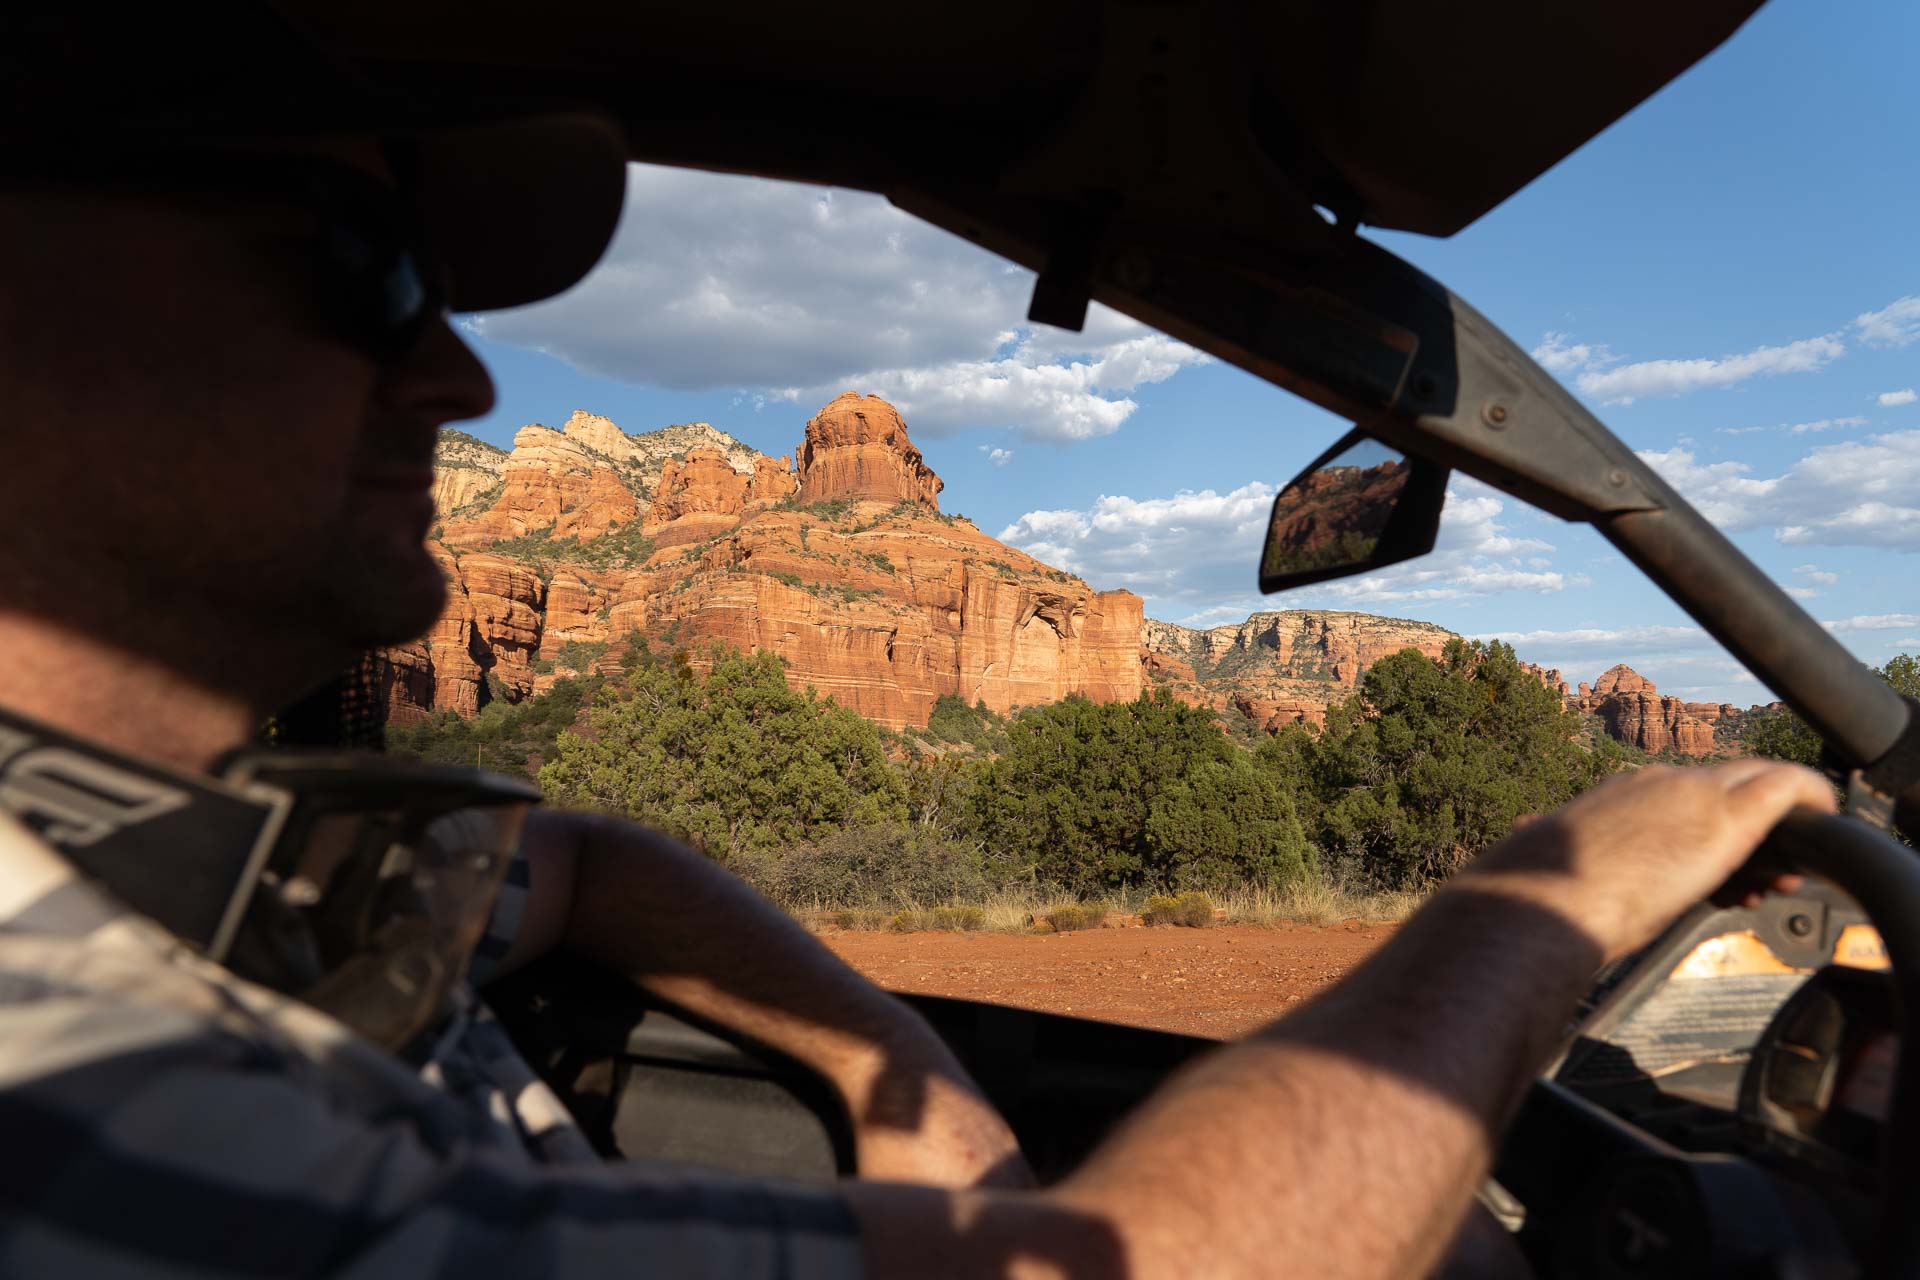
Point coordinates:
[[380, 293], [405, 300]]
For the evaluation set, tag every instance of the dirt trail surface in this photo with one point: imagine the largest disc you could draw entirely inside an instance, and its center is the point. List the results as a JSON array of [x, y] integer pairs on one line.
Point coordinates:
[[1218, 982]]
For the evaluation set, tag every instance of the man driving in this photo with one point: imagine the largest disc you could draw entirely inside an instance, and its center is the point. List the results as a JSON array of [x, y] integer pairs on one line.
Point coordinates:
[[224, 356]]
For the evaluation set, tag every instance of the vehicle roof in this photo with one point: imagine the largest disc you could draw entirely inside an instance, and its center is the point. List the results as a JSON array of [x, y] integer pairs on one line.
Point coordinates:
[[1206, 116]]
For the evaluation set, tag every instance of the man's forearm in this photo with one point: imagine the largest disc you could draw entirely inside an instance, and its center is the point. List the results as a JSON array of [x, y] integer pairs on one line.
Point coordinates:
[[699, 938], [1345, 1140], [703, 941]]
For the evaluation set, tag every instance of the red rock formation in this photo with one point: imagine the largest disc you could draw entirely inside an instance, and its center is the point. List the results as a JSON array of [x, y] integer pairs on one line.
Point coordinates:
[[1621, 679], [1548, 677], [857, 448], [698, 497], [465, 469], [884, 607], [1635, 713], [553, 484], [491, 628], [773, 481]]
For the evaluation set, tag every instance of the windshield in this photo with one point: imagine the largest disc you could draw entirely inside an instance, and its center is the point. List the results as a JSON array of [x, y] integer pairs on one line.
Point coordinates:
[[789, 438]]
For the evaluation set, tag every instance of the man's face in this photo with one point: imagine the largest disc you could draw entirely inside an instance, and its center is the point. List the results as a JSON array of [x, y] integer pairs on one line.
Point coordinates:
[[189, 433]]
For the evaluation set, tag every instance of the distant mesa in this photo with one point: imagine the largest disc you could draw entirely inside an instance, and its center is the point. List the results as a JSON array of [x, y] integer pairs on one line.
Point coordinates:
[[1284, 667]]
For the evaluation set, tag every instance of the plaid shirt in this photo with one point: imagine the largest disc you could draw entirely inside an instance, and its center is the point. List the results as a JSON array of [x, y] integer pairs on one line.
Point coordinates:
[[160, 1117]]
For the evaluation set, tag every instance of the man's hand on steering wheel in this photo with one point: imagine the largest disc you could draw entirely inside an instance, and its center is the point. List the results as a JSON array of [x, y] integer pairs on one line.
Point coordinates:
[[1627, 857]]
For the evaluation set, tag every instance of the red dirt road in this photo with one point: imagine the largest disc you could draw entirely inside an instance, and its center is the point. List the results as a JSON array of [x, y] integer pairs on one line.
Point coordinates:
[[1218, 982]]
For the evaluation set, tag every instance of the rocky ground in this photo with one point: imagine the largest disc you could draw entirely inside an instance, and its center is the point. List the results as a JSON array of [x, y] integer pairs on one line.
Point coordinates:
[[1219, 982]]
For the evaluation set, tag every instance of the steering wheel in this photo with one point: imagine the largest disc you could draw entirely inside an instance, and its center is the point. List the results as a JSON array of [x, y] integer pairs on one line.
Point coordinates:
[[1636, 1206]]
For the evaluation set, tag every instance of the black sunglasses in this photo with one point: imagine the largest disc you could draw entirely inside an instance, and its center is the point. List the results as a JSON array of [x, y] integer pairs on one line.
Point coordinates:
[[374, 271]]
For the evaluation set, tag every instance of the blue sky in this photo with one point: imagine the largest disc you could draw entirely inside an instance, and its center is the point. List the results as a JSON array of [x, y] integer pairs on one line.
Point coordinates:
[[1738, 258]]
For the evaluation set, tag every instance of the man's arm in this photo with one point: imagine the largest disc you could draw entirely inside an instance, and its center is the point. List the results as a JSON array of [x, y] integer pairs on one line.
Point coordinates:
[[694, 935], [1346, 1139]]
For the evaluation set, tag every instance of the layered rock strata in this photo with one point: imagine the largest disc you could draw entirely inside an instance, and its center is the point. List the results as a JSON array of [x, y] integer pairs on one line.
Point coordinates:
[[1283, 667], [856, 448], [1634, 712], [876, 599]]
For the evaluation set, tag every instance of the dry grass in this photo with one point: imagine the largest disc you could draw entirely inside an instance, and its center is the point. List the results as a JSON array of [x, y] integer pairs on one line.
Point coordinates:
[[953, 919], [1321, 903]]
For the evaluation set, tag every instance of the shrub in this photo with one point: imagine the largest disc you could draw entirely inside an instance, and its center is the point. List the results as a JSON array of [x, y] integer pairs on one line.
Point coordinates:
[[1075, 916], [1193, 910], [1148, 794], [906, 922], [1159, 909], [891, 862], [860, 918], [962, 919], [580, 654], [734, 762]]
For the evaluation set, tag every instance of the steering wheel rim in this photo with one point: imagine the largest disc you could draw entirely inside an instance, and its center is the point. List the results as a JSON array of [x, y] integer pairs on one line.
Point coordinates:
[[1883, 877]]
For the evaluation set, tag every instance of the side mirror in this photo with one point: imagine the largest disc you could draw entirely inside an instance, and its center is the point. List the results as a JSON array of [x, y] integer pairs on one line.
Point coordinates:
[[1359, 506]]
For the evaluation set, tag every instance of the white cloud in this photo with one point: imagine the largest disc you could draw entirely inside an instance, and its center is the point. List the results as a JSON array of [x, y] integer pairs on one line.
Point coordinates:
[[1556, 354], [1023, 392], [1874, 622], [998, 457], [1826, 424], [1895, 325], [1814, 573], [1858, 493], [797, 293], [1894, 399], [1193, 548], [1740, 431], [1801, 593], [1667, 655], [1197, 551], [1630, 382]]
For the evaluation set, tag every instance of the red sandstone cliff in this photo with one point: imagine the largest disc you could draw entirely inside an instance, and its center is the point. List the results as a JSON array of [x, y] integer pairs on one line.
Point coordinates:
[[879, 601], [1635, 713], [857, 448]]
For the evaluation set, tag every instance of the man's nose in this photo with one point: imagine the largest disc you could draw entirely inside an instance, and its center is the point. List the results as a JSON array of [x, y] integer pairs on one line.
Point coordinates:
[[439, 377]]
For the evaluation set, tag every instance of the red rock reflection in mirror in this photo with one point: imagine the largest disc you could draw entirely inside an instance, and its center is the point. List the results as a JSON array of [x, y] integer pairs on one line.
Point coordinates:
[[1333, 517]]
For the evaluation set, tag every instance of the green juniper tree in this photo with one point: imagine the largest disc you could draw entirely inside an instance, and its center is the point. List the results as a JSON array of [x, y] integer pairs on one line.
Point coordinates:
[[733, 762], [1093, 796], [1430, 762]]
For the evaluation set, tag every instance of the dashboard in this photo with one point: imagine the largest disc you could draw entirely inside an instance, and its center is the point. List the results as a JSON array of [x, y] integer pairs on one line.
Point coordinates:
[[1768, 1034]]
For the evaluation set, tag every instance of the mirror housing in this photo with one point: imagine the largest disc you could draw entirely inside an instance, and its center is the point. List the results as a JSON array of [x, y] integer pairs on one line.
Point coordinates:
[[1358, 506]]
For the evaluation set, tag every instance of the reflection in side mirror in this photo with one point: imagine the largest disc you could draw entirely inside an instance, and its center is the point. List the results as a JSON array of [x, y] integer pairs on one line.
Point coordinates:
[[1359, 506]]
